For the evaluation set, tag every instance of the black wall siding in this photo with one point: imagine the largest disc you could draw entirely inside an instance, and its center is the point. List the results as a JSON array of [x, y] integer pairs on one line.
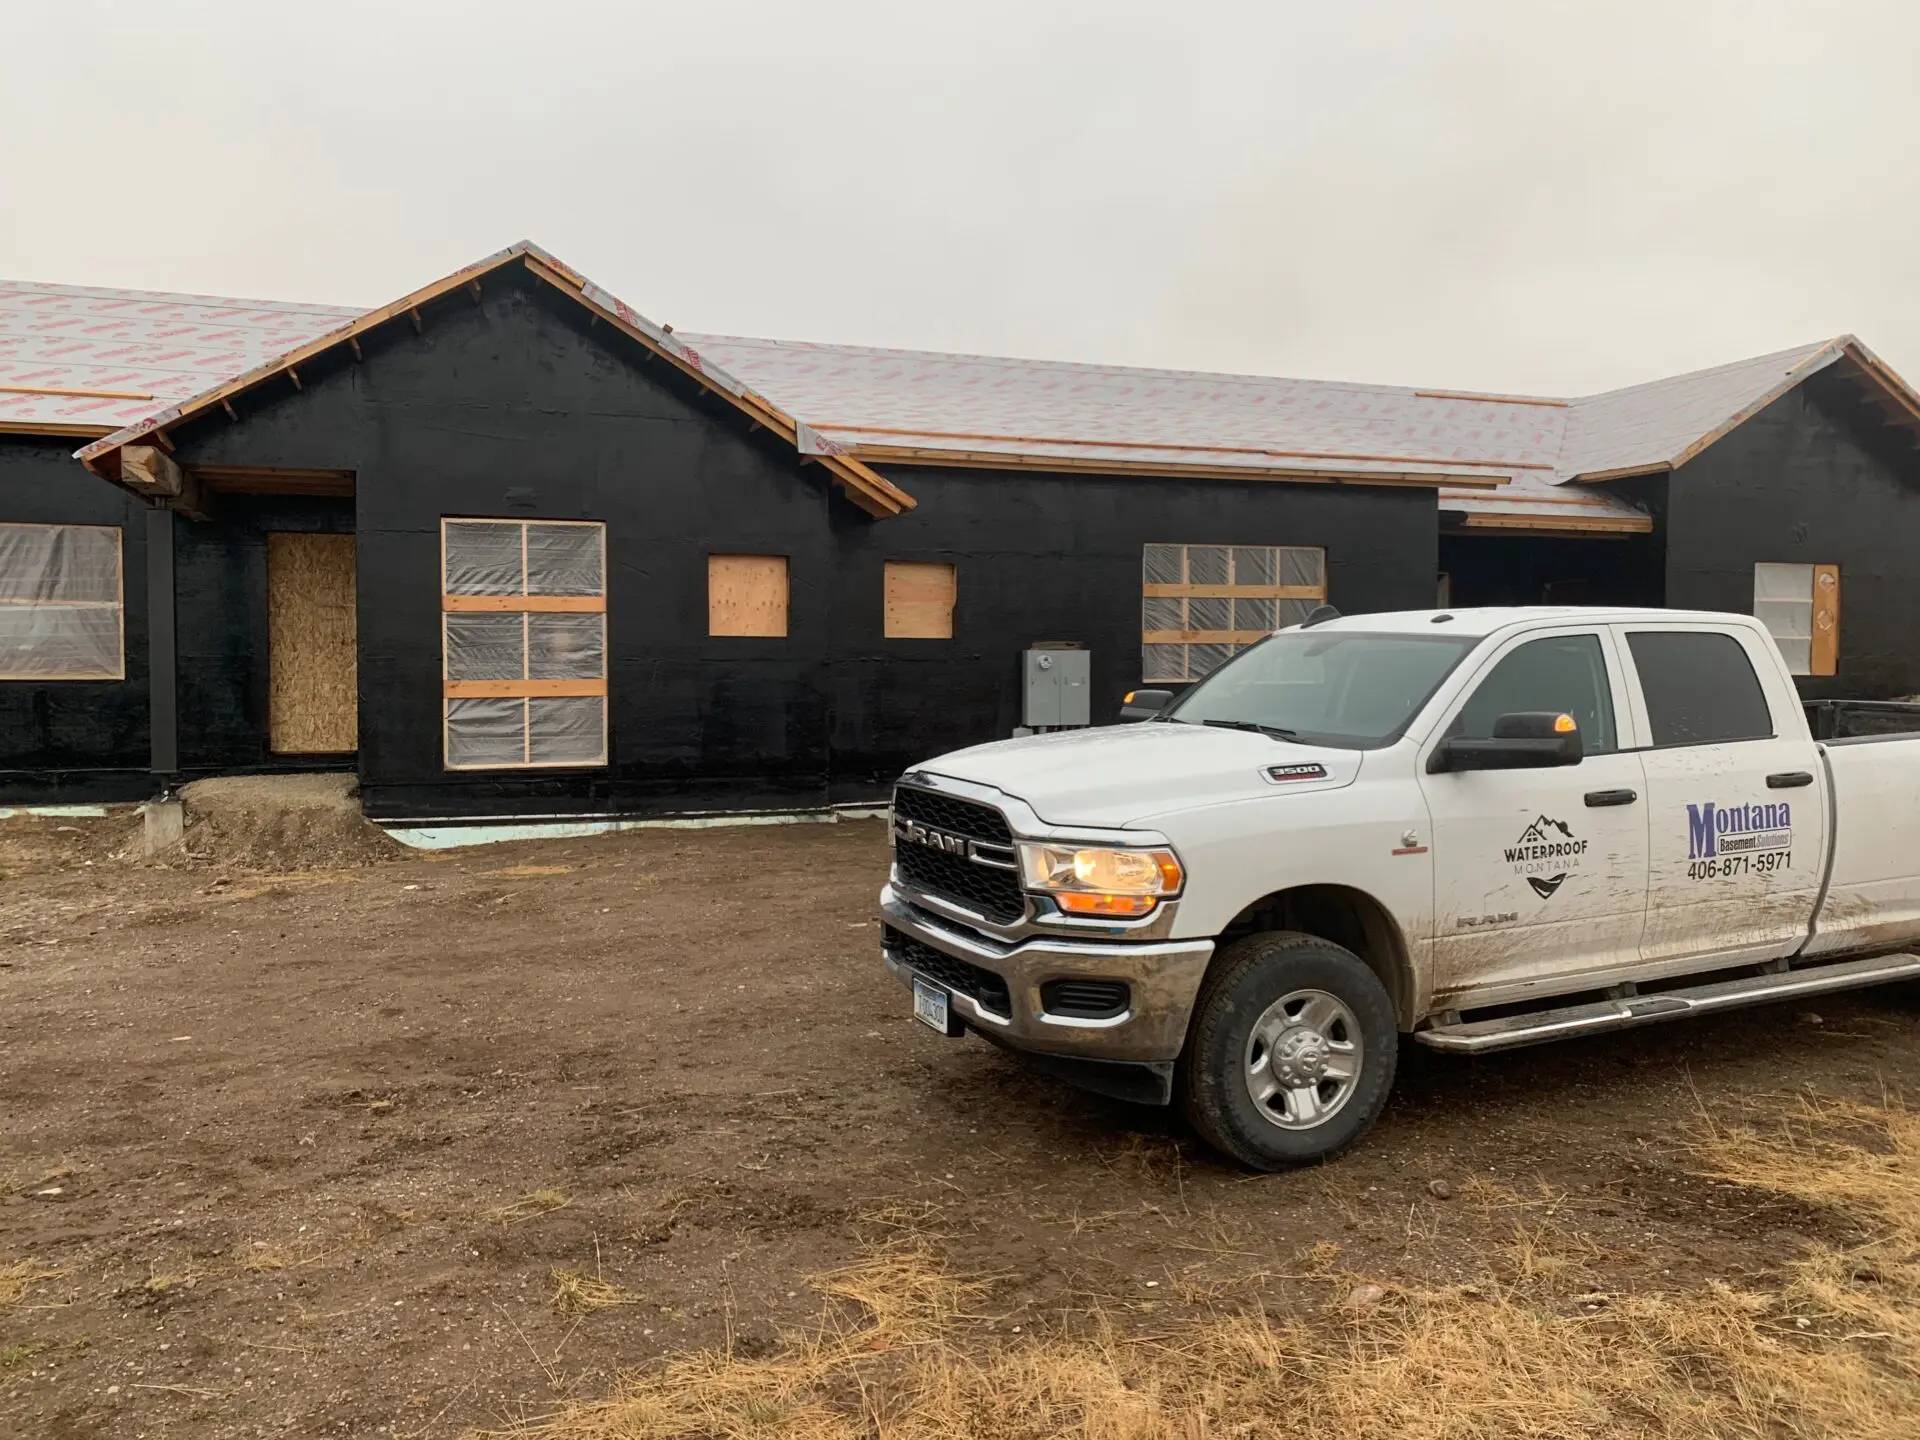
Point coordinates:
[[519, 406], [1809, 480], [220, 610], [75, 740], [1489, 568], [1045, 557]]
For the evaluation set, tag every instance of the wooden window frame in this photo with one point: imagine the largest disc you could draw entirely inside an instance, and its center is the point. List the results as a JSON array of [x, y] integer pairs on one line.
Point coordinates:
[[1185, 590], [1823, 617], [117, 605], [523, 689]]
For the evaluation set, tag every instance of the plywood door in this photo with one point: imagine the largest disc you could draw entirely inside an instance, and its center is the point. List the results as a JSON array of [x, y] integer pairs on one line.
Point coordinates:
[[313, 682]]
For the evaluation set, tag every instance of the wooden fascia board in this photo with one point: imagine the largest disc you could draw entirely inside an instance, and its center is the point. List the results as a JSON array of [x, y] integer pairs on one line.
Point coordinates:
[[994, 460], [98, 457], [52, 429], [1814, 363], [1561, 524], [870, 491], [1884, 377], [1624, 472]]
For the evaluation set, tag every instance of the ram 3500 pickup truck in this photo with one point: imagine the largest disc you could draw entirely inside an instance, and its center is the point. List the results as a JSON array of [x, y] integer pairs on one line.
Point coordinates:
[[1486, 828]]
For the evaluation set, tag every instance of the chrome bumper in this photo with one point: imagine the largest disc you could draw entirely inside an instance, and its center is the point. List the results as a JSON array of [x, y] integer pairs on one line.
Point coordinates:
[[1163, 978]]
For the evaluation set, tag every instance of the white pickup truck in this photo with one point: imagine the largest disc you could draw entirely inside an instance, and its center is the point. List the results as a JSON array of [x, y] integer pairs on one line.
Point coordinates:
[[1485, 828]]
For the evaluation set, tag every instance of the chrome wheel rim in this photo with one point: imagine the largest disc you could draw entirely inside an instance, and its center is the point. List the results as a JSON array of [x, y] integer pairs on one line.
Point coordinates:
[[1303, 1059]]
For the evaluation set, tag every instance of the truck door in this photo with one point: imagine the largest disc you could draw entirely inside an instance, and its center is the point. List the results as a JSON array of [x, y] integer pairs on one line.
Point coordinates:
[[1539, 874], [1736, 810]]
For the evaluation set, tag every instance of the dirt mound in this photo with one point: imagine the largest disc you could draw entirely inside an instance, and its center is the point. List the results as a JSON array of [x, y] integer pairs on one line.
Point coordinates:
[[281, 822]]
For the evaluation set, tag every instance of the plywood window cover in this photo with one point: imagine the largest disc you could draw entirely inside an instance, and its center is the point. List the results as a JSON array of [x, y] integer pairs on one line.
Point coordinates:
[[748, 595], [1185, 589], [919, 600], [117, 605], [524, 689]]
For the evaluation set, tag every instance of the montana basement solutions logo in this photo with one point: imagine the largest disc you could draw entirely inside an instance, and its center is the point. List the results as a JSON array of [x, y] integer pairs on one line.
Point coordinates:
[[1545, 852], [1715, 830]]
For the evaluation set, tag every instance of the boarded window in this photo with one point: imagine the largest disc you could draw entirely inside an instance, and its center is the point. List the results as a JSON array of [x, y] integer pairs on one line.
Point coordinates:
[[919, 601], [524, 635], [60, 603], [1800, 606], [746, 595], [1202, 603]]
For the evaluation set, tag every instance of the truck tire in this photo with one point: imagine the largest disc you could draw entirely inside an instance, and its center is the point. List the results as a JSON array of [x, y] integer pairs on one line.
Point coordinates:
[[1291, 1054]]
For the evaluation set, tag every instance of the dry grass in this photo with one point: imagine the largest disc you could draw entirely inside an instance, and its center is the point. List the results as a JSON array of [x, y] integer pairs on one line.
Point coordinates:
[[17, 1280], [1527, 1354], [540, 1202], [578, 1293]]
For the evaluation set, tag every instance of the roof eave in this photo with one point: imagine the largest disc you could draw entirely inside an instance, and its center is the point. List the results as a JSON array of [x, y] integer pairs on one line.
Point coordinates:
[[1001, 460]]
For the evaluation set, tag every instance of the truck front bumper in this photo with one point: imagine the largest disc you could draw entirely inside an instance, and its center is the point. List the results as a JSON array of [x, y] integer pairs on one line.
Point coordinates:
[[1005, 1003]]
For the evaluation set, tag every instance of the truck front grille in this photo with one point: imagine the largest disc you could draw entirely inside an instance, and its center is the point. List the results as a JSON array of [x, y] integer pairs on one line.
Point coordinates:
[[984, 987], [964, 878]]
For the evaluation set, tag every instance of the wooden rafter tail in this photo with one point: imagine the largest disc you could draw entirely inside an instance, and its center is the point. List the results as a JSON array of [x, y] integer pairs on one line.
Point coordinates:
[[347, 334]]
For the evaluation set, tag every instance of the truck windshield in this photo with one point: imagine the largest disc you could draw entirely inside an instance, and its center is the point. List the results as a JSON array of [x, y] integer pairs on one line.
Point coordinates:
[[1354, 691]]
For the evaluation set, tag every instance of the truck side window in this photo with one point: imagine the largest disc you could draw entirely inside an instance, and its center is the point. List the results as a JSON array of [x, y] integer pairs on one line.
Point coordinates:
[[1565, 672], [1700, 688]]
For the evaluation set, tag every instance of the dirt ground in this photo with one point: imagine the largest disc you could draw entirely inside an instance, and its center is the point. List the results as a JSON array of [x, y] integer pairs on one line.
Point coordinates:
[[440, 1143]]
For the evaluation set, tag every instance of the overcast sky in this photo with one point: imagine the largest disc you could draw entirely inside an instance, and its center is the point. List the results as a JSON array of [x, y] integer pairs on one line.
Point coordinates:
[[1499, 194]]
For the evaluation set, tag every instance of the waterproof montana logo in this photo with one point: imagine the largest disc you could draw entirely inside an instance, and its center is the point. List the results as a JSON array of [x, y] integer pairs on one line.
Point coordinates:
[[1545, 853], [1715, 830]]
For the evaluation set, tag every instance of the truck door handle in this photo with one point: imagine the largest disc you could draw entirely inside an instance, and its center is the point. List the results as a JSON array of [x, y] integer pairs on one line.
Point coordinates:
[[1597, 798], [1789, 780]]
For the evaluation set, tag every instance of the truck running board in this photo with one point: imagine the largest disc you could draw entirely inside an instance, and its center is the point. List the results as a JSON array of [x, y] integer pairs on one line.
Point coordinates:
[[1511, 1031]]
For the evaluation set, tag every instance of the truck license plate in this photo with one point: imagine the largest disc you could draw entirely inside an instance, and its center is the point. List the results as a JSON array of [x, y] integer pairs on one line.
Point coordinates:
[[930, 1005]]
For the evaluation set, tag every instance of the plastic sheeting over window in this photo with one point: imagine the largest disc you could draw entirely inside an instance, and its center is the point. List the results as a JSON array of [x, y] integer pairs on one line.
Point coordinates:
[[1201, 604], [60, 603], [525, 643]]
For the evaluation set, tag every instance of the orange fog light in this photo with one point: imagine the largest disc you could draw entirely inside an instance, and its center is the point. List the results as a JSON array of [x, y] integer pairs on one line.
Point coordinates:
[[1076, 902]]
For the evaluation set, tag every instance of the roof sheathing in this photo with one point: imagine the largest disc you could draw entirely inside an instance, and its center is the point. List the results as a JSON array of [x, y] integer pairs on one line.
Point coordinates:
[[1501, 461], [82, 360]]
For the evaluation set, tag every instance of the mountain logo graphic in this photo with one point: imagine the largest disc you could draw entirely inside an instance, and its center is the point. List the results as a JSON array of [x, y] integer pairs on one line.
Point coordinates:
[[1543, 830], [1544, 854]]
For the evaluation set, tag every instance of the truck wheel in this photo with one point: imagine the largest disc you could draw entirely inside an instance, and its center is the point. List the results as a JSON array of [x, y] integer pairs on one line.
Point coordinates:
[[1291, 1053]]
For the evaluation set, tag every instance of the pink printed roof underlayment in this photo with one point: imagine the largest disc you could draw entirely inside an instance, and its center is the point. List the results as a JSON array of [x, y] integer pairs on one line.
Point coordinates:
[[76, 360], [1502, 461]]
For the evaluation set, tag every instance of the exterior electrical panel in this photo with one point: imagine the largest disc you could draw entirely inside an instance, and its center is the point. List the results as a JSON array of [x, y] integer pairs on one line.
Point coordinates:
[[1056, 686]]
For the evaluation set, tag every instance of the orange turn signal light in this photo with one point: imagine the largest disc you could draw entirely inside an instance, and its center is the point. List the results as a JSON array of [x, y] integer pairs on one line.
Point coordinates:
[[1565, 725], [1076, 902]]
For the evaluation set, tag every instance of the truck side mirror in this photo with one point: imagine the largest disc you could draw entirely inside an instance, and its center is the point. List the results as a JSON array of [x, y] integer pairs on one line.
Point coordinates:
[[1523, 740], [1144, 704]]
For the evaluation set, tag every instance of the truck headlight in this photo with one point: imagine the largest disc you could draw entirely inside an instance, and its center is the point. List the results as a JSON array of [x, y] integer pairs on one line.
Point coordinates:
[[1101, 881]]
